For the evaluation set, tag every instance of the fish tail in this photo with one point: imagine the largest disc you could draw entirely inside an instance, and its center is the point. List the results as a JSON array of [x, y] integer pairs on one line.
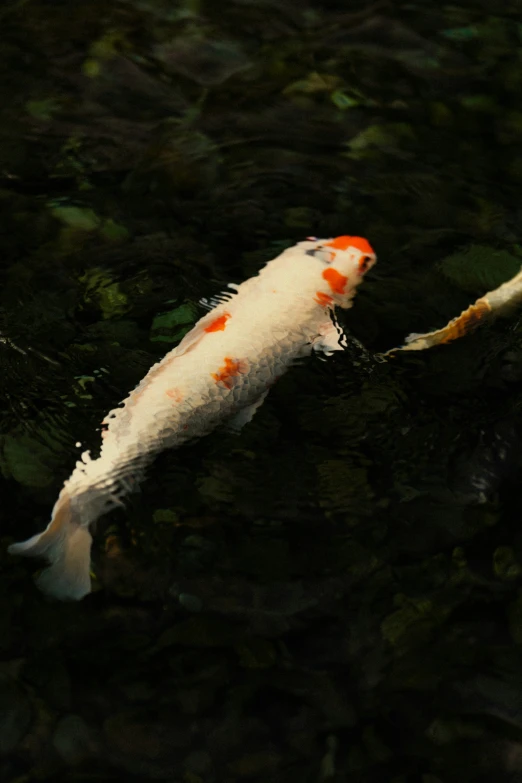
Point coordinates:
[[67, 546]]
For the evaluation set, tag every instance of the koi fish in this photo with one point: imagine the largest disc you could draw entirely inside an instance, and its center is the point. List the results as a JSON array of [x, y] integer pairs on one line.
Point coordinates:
[[495, 302], [221, 370]]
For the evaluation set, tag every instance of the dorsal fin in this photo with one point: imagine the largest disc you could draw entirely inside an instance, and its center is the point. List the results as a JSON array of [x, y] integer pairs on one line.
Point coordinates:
[[219, 298]]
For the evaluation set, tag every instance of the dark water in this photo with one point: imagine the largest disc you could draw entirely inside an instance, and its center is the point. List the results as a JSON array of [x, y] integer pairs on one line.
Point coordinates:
[[336, 594]]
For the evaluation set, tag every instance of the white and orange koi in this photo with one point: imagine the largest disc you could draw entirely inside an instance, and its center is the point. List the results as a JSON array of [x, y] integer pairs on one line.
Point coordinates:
[[495, 302], [222, 369]]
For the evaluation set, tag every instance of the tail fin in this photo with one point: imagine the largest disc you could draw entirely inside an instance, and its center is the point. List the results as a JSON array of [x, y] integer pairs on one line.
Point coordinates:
[[67, 546]]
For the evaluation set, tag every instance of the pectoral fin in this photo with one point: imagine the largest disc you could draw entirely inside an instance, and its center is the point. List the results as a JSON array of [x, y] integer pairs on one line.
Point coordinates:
[[245, 415], [330, 338]]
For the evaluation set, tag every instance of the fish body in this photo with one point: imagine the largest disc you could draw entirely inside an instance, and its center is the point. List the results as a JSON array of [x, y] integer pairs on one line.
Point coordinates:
[[221, 370], [499, 301]]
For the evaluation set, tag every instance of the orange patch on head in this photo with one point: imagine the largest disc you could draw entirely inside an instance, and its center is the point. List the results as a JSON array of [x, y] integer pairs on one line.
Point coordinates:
[[218, 324], [174, 394], [343, 243], [323, 299], [335, 280], [230, 370]]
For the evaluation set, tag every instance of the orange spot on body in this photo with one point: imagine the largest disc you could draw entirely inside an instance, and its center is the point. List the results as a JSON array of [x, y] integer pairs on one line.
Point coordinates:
[[465, 323], [343, 243], [174, 394], [230, 370], [323, 299], [218, 324], [335, 280]]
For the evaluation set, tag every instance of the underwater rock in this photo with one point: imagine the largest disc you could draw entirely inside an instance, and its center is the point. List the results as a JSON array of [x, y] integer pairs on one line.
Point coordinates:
[[496, 456], [26, 459], [207, 62], [148, 744], [268, 609], [493, 697], [179, 162], [73, 740], [15, 715], [51, 678]]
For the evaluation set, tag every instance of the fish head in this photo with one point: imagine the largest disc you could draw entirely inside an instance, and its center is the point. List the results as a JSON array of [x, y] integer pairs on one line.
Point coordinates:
[[342, 264]]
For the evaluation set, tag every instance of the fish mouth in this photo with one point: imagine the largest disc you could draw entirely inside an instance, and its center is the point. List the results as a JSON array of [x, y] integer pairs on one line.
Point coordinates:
[[365, 264]]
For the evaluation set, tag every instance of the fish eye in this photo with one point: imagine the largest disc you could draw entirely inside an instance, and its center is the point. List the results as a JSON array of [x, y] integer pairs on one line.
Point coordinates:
[[364, 263]]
